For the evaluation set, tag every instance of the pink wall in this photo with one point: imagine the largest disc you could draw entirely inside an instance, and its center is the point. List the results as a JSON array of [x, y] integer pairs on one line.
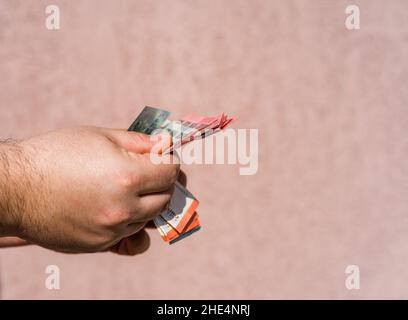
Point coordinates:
[[331, 109]]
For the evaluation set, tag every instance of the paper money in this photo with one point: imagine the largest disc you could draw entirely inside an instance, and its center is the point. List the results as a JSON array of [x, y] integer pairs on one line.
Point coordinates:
[[181, 208], [171, 235], [180, 219], [149, 120], [197, 127]]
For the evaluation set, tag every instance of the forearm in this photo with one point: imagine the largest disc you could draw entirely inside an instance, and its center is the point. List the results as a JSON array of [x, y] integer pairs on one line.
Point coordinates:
[[12, 200]]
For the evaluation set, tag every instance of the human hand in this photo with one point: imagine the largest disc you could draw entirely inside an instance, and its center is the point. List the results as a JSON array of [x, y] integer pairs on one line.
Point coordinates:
[[84, 189]]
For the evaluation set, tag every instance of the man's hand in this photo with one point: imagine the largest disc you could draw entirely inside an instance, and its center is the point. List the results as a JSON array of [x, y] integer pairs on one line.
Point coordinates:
[[83, 189]]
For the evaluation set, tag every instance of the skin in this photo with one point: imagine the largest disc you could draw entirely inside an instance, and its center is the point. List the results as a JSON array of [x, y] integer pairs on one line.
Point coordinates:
[[83, 189]]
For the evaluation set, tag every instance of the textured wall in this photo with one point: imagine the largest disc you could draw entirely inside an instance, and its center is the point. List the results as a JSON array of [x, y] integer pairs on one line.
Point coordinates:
[[330, 105]]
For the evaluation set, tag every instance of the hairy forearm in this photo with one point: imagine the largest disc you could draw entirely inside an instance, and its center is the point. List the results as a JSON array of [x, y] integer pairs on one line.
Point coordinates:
[[12, 185]]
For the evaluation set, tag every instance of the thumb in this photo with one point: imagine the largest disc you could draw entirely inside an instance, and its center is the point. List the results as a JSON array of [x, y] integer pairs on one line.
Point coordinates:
[[132, 141]]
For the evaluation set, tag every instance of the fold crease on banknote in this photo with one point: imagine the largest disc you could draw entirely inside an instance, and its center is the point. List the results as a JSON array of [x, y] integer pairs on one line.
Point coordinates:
[[180, 219]]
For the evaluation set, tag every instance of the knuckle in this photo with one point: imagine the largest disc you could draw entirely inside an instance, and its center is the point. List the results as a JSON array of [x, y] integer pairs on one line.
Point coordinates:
[[128, 180], [112, 218]]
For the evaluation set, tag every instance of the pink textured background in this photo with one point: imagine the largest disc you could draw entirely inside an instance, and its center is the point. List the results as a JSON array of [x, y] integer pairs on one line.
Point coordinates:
[[330, 105]]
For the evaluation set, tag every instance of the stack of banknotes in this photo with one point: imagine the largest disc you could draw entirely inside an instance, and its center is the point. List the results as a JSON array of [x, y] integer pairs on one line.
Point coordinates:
[[180, 219]]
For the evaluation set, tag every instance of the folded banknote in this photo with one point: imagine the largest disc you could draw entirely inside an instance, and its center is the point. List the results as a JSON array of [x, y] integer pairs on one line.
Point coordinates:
[[180, 219]]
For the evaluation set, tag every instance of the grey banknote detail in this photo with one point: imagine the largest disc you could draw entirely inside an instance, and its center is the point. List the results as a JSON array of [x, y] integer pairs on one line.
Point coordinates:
[[184, 235], [149, 120]]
